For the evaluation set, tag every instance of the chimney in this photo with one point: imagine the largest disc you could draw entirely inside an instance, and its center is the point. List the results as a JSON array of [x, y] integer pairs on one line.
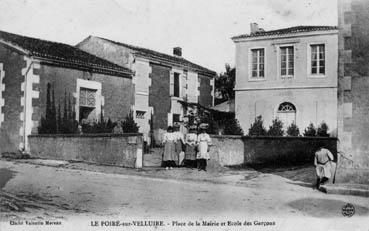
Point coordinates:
[[254, 27], [177, 51]]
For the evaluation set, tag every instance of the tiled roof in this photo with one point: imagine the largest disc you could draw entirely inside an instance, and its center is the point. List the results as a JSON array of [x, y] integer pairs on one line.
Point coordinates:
[[154, 55], [286, 31], [60, 54]]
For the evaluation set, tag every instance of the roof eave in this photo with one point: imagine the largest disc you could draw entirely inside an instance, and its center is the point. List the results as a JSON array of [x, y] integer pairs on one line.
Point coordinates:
[[242, 38], [84, 67]]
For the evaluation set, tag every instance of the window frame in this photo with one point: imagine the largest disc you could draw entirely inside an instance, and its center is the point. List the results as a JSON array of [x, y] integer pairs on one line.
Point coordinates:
[[258, 78], [309, 60], [279, 61]]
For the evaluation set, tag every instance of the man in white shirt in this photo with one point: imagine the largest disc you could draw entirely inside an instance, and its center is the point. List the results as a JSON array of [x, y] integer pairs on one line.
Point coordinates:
[[322, 162]]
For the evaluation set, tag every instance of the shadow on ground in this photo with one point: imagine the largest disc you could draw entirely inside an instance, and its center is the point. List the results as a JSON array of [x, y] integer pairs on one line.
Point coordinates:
[[325, 208]]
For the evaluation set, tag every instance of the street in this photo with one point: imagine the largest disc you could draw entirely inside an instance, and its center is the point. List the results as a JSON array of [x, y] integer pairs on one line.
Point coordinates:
[[59, 193]]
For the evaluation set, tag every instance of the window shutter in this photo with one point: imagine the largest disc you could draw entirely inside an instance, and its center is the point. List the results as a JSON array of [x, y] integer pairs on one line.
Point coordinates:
[[171, 84]]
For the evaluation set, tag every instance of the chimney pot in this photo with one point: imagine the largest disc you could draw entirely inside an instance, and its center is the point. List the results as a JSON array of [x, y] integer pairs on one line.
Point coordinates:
[[177, 51]]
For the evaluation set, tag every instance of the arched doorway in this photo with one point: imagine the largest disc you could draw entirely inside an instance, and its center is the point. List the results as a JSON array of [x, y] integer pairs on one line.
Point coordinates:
[[286, 113]]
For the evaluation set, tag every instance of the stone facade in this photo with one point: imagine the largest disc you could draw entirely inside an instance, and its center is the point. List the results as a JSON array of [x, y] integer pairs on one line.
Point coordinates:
[[353, 95], [154, 82], [25, 77], [300, 97]]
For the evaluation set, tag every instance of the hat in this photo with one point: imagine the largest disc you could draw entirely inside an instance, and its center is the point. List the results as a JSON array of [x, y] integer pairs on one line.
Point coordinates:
[[193, 127], [204, 126]]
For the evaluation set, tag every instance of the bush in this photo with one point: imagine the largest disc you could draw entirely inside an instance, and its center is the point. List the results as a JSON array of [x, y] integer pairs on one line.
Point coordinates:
[[293, 130], [232, 127], [323, 130], [257, 128], [101, 126], [310, 130], [129, 125], [276, 129]]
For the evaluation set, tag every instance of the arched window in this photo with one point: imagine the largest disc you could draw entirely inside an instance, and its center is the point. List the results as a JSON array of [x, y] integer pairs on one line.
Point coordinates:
[[287, 113]]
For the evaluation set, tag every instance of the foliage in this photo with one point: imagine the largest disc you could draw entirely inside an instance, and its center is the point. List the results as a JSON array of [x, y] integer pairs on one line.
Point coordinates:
[[293, 130], [224, 85], [232, 127], [102, 126], [53, 122], [257, 128], [276, 129], [129, 125], [323, 130], [310, 130]]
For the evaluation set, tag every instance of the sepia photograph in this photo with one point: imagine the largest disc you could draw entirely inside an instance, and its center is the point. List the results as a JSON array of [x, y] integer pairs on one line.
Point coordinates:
[[124, 115]]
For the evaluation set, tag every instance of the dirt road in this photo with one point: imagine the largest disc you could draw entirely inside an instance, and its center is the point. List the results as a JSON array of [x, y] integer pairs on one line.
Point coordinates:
[[42, 192]]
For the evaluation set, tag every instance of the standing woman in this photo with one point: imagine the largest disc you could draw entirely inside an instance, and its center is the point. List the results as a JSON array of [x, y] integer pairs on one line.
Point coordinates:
[[169, 149], [203, 142], [179, 141], [190, 153]]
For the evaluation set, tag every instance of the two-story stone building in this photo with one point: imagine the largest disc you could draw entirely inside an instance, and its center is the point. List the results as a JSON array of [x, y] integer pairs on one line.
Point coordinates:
[[160, 82], [288, 73], [28, 65]]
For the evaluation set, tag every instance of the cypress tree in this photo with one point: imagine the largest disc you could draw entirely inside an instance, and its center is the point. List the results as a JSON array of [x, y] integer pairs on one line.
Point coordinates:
[[53, 120]]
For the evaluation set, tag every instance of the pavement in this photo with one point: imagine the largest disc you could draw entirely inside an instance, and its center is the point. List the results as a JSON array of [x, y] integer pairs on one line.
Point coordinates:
[[60, 190]]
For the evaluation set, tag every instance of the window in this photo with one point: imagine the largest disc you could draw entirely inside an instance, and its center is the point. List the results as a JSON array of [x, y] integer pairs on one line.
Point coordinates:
[[287, 61], [318, 59], [87, 97], [287, 114], [257, 63], [140, 114]]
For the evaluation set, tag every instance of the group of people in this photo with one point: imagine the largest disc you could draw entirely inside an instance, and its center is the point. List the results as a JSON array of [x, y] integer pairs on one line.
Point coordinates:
[[190, 150]]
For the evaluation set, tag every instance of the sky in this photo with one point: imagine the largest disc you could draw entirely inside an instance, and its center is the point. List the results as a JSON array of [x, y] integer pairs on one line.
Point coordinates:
[[203, 28]]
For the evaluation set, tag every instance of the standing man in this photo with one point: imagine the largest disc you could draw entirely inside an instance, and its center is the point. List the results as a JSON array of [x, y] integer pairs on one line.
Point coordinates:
[[322, 162]]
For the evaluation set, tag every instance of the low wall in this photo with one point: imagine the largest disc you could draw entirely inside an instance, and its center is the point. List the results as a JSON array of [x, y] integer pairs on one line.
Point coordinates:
[[285, 150], [237, 150], [115, 149], [226, 150]]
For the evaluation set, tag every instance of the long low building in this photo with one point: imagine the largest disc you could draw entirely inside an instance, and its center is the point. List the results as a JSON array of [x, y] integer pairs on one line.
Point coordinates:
[[161, 82], [29, 65]]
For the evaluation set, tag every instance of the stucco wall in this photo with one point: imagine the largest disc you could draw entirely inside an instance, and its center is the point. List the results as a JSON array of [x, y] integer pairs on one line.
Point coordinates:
[[121, 150], [159, 98], [117, 92], [226, 150], [312, 105], [353, 97], [10, 127], [302, 77]]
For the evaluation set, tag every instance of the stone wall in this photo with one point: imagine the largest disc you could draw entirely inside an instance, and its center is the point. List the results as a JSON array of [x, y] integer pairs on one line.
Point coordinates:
[[267, 151], [11, 121], [121, 150], [277, 151], [353, 95], [226, 150]]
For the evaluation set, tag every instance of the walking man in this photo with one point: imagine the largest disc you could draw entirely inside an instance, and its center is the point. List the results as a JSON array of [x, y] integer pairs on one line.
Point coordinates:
[[322, 162]]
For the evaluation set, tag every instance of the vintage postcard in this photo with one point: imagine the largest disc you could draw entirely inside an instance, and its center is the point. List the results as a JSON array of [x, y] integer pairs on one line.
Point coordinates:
[[184, 115]]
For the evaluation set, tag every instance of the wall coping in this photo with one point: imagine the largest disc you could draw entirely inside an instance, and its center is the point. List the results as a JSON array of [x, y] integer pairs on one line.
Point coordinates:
[[226, 136], [290, 137], [85, 135]]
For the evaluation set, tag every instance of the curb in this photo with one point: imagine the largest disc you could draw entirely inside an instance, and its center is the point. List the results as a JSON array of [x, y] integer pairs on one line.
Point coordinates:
[[353, 190]]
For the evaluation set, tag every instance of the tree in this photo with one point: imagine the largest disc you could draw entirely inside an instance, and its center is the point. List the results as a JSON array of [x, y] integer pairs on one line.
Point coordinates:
[[224, 85], [257, 128], [232, 127], [276, 129], [48, 124], [310, 130], [129, 125], [323, 130], [293, 130]]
